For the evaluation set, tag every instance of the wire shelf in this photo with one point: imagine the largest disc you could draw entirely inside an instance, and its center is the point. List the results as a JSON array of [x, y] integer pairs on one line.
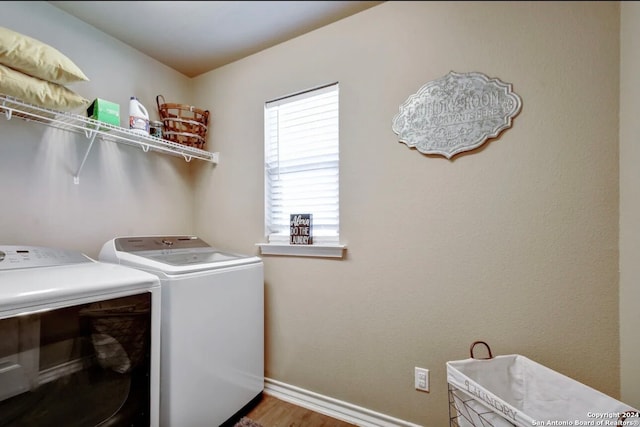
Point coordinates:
[[91, 128]]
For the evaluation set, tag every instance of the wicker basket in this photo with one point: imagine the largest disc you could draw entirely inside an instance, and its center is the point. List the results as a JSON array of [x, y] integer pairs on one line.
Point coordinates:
[[182, 123]]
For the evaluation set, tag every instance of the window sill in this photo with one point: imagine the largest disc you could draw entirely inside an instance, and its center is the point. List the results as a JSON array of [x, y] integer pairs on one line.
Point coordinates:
[[315, 250]]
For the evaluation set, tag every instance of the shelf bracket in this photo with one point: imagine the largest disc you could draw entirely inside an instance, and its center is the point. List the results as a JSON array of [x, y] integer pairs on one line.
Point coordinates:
[[92, 136], [8, 112]]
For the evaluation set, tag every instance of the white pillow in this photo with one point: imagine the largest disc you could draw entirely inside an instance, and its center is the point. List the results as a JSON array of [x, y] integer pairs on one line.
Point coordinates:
[[37, 59]]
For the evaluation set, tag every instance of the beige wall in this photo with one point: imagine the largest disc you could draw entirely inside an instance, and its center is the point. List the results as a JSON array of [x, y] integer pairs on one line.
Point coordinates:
[[630, 202], [122, 190], [515, 243]]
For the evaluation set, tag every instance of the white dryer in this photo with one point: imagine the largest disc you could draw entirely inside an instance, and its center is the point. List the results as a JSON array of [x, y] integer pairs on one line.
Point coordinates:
[[212, 333], [79, 340]]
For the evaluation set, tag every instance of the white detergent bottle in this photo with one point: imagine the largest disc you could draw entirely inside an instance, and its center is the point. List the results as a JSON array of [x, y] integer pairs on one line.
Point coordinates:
[[138, 117]]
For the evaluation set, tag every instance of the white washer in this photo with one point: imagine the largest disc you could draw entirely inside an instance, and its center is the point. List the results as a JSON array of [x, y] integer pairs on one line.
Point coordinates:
[[212, 334], [53, 368]]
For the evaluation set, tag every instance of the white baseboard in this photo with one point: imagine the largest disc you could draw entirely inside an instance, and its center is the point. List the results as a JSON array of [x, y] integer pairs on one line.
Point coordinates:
[[331, 407]]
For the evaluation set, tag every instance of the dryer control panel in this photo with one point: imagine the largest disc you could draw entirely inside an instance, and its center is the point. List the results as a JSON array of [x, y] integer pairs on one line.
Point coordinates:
[[14, 257]]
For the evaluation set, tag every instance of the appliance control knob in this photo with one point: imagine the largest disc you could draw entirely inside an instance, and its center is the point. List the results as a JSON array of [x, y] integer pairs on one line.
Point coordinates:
[[167, 242], [2, 254]]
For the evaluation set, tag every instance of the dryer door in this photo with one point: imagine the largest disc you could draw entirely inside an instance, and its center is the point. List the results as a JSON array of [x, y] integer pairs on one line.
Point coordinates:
[[80, 365], [19, 355]]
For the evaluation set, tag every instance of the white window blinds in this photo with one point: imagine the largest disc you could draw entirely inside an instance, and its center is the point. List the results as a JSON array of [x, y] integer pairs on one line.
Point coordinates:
[[302, 163]]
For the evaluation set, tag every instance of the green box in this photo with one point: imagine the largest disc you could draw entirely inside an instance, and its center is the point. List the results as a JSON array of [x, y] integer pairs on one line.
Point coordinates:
[[104, 111]]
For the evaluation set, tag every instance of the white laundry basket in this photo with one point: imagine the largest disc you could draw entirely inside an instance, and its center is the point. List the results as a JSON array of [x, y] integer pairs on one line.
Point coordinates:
[[512, 390]]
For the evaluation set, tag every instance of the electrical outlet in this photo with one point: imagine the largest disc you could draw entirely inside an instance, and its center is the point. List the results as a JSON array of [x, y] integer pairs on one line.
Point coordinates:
[[421, 379]]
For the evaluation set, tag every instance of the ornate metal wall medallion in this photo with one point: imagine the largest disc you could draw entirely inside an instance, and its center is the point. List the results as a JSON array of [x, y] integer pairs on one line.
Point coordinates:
[[455, 113]]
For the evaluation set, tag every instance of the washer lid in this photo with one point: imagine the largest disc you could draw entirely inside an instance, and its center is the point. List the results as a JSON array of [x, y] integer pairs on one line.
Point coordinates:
[[189, 256], [172, 254]]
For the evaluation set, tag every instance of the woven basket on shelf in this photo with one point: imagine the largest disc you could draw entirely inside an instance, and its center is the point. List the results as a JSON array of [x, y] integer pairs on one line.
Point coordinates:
[[182, 123]]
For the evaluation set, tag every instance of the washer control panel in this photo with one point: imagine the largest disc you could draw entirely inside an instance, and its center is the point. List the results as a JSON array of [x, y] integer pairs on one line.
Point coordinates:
[[158, 243], [14, 257]]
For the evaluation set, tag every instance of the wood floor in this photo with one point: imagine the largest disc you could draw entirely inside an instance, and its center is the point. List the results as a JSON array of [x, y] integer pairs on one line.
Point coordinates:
[[272, 412]]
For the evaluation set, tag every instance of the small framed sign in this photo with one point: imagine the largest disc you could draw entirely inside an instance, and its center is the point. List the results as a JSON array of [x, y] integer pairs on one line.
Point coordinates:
[[301, 226]]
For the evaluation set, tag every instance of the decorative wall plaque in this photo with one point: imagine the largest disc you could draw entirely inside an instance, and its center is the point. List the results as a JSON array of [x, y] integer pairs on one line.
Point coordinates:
[[456, 113], [300, 229]]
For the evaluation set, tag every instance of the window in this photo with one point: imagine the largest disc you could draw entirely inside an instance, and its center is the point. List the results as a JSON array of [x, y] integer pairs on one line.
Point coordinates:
[[302, 164]]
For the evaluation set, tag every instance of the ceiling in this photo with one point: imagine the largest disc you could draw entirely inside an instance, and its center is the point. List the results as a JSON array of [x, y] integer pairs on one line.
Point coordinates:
[[194, 37]]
